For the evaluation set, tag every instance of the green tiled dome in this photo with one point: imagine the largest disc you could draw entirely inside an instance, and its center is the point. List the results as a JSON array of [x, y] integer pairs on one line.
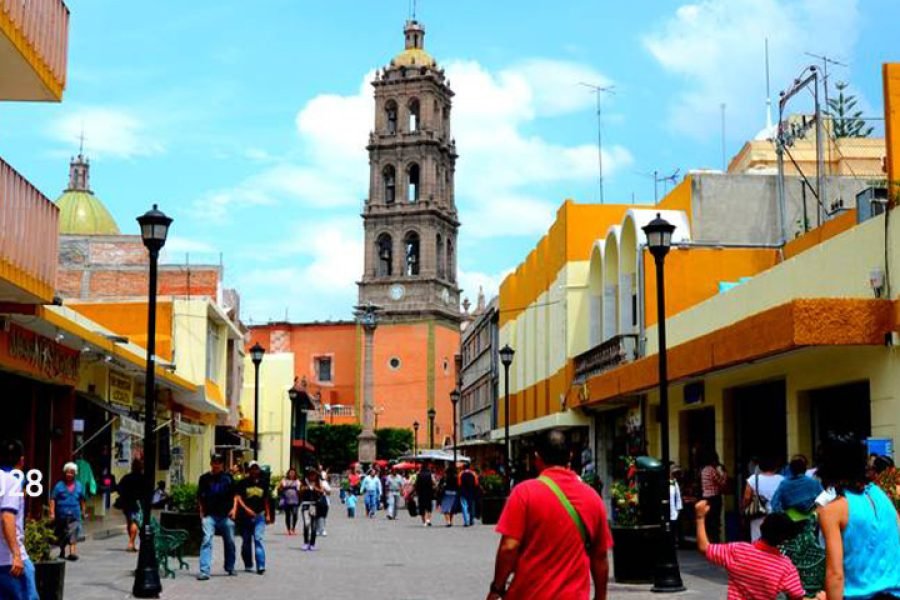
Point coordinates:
[[82, 213]]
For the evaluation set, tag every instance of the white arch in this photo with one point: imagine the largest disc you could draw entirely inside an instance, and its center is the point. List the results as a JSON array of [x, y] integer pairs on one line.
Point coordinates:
[[611, 283], [595, 292], [628, 285], [642, 216]]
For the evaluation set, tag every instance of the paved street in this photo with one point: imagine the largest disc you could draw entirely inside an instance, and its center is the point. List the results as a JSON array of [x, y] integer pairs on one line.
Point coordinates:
[[375, 559]]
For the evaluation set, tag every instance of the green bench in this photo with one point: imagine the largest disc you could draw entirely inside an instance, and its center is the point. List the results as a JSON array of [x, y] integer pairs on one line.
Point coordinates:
[[169, 544]]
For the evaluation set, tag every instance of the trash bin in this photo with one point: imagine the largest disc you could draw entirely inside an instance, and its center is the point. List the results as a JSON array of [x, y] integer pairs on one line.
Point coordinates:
[[635, 548], [653, 488]]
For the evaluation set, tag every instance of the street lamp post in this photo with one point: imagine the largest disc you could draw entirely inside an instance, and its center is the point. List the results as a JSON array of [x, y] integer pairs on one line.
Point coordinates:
[[154, 229], [431, 414], [454, 399], [506, 357], [256, 355], [666, 575], [415, 439]]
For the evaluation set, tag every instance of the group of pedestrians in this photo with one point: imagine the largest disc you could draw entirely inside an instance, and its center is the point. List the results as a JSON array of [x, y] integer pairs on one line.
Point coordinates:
[[305, 501], [828, 532]]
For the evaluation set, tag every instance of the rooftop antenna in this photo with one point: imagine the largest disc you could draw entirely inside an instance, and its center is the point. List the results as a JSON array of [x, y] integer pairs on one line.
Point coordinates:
[[825, 62], [598, 91], [81, 142], [768, 92], [724, 164], [412, 10]]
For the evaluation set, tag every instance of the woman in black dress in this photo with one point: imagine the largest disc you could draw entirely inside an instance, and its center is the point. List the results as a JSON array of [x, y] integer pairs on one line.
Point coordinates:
[[425, 493]]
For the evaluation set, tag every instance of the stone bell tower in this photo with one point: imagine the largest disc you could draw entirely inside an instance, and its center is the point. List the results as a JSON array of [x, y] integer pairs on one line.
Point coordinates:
[[410, 216]]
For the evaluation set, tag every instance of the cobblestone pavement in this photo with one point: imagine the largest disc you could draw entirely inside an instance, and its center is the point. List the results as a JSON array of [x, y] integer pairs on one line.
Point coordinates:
[[371, 559]]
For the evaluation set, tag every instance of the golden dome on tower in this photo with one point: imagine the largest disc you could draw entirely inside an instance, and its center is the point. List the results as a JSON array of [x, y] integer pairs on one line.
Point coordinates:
[[80, 211], [414, 55]]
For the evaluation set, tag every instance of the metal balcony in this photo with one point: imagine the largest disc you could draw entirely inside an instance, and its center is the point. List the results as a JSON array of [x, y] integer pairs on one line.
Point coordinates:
[[615, 351], [34, 39], [29, 241]]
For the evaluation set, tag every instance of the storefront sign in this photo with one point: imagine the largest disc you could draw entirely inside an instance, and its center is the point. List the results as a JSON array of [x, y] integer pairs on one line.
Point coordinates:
[[131, 427], [43, 355], [185, 428], [121, 389]]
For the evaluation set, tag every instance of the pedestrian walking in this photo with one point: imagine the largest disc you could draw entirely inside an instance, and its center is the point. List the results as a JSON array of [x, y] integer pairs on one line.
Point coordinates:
[[215, 497], [713, 482], [128, 500], [252, 510], [675, 502], [555, 534], [424, 487], [289, 492], [67, 510], [371, 490], [310, 493], [756, 571], [798, 490], [350, 501], [394, 486], [447, 491], [861, 526], [16, 569], [468, 494], [758, 492], [324, 504]]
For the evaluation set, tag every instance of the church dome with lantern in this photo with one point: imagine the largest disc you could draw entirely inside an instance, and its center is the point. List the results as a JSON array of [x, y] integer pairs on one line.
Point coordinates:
[[80, 211]]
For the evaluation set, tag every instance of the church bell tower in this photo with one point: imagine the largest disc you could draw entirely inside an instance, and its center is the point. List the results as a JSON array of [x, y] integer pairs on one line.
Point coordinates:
[[410, 216]]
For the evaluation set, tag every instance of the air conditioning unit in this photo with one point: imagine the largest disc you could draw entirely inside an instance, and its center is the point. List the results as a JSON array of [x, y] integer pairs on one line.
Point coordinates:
[[870, 203]]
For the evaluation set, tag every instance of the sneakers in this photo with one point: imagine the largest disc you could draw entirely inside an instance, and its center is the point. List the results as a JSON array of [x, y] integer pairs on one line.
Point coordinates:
[[261, 572], [248, 569], [304, 547], [203, 577], [312, 548], [324, 534], [232, 573]]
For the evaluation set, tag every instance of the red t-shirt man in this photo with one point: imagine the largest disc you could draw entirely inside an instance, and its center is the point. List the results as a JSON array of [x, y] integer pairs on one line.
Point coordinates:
[[541, 545]]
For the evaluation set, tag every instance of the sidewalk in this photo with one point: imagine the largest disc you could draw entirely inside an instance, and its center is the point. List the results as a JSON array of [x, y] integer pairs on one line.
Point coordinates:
[[373, 559]]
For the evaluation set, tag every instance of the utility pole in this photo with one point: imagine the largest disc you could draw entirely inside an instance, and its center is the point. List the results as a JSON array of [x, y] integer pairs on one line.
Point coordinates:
[[598, 92], [825, 62]]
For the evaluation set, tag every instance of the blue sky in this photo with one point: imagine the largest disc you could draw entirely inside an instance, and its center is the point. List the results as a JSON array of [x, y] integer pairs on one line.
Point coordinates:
[[248, 125]]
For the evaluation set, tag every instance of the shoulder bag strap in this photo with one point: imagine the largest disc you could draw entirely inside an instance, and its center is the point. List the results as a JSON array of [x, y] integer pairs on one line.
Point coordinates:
[[576, 518]]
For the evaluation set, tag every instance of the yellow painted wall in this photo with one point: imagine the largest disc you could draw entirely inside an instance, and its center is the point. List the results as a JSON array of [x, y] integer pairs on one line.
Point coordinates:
[[276, 375], [891, 77]]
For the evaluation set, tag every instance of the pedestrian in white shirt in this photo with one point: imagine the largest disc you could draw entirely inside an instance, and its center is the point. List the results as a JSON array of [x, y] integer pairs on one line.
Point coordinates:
[[16, 569]]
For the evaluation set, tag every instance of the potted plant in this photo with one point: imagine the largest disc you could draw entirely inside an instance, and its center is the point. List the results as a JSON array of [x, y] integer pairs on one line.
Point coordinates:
[[185, 514], [631, 539], [49, 574], [493, 497]]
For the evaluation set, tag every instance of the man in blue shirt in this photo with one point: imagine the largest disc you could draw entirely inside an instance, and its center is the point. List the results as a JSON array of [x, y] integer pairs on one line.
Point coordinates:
[[16, 570]]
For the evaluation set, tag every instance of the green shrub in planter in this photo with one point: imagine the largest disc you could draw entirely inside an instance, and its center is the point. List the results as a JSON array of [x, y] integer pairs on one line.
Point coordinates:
[[49, 575], [184, 498]]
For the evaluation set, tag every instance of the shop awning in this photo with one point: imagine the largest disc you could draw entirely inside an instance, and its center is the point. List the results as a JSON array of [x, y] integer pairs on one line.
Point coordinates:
[[560, 420], [100, 402]]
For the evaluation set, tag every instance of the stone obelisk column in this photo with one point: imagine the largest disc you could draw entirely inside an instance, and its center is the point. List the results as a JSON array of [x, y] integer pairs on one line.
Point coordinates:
[[368, 438]]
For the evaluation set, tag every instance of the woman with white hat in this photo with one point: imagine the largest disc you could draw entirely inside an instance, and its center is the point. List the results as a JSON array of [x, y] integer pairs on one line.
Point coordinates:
[[67, 510]]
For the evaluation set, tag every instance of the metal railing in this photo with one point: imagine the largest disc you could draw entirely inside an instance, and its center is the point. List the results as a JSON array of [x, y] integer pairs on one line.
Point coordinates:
[[44, 25], [29, 228], [327, 412], [615, 351]]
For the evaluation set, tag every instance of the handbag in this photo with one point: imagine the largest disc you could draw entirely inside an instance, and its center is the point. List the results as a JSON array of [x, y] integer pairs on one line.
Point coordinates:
[[759, 506]]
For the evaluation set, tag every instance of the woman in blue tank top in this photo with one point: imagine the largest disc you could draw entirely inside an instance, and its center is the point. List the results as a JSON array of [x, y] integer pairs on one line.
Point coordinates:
[[861, 527]]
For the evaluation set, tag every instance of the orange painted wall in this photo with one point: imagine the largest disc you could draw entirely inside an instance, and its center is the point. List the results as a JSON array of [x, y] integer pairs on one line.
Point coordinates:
[[130, 319], [693, 275], [679, 199], [829, 229], [891, 79], [308, 341]]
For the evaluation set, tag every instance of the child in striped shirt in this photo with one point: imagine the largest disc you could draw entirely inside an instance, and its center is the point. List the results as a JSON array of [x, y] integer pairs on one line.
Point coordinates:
[[756, 571]]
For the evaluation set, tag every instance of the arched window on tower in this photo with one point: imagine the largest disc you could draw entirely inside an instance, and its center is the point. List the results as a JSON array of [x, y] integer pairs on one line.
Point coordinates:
[[390, 184], [385, 248], [414, 112], [412, 183], [390, 112], [439, 253], [411, 244], [451, 261]]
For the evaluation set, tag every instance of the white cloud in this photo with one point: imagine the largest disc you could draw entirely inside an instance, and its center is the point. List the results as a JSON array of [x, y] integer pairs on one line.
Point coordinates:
[[717, 47], [472, 281], [108, 132]]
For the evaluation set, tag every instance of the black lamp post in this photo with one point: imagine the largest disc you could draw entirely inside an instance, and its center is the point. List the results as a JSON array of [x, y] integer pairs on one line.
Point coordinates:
[[431, 415], [154, 229], [506, 357], [454, 398], [666, 575], [256, 355], [415, 439]]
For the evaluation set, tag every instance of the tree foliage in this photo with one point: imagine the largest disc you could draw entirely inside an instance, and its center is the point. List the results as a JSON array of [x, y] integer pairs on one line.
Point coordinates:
[[393, 442], [336, 446], [847, 121]]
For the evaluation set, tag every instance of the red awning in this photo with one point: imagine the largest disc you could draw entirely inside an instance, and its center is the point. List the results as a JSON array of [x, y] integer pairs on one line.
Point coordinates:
[[304, 445]]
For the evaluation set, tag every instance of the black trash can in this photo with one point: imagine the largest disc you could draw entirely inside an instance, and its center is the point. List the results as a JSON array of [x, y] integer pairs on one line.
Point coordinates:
[[635, 548]]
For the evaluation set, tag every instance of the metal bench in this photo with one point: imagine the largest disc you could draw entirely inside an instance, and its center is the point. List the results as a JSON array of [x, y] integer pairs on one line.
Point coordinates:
[[169, 543]]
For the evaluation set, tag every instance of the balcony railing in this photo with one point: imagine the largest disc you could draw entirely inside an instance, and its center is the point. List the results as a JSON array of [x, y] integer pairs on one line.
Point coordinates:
[[29, 240], [40, 28], [615, 351], [333, 411]]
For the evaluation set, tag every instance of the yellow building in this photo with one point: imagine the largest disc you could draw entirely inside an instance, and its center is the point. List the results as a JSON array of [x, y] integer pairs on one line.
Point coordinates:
[[276, 375]]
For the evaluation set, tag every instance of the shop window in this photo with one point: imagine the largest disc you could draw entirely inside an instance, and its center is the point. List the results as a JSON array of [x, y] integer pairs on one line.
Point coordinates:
[[323, 369]]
